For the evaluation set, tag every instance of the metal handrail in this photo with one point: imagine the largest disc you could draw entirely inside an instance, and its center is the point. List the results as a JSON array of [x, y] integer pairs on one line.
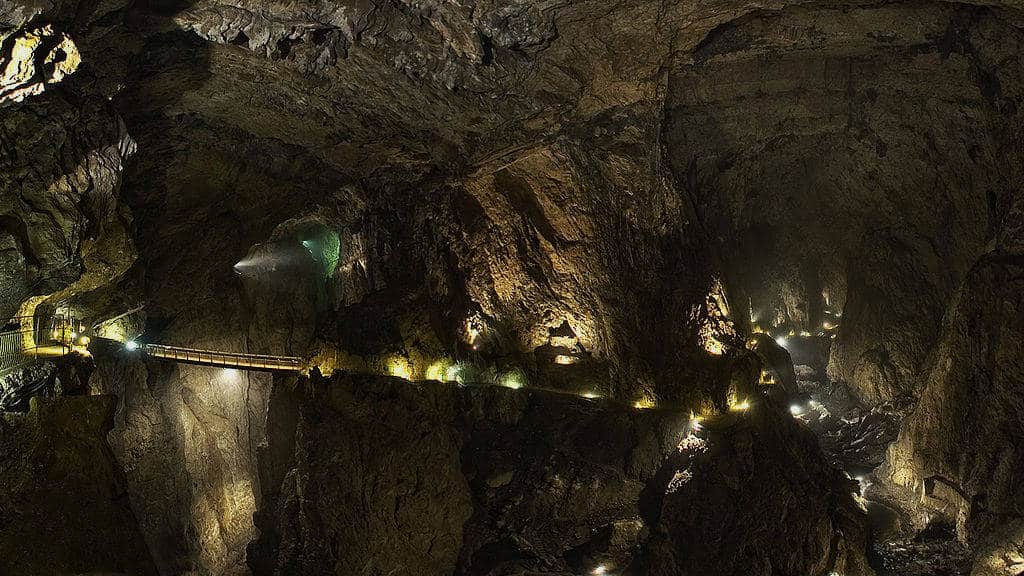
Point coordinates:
[[238, 359]]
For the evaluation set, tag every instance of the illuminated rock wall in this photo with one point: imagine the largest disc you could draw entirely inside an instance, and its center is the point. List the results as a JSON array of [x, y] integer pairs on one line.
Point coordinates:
[[377, 475], [958, 457]]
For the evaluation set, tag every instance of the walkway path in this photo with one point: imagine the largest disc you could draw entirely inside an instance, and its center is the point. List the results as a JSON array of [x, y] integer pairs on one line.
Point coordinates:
[[19, 345], [260, 362]]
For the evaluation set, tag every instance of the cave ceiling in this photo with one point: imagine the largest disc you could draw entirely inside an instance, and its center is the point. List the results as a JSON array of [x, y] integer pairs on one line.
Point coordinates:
[[631, 190]]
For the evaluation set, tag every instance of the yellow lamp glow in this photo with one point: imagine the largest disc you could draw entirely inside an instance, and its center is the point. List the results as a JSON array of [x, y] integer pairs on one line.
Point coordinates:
[[713, 346], [695, 422], [452, 374], [512, 380], [437, 371], [737, 405], [400, 368]]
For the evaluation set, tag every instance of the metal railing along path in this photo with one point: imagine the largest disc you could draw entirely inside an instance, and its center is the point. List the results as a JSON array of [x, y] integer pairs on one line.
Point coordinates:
[[262, 362], [13, 353], [25, 339]]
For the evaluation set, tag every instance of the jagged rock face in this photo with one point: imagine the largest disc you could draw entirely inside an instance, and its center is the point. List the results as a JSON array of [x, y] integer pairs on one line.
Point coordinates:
[[838, 151], [62, 223], [379, 476], [596, 164], [557, 234], [62, 500], [186, 437], [958, 456], [37, 57], [750, 508]]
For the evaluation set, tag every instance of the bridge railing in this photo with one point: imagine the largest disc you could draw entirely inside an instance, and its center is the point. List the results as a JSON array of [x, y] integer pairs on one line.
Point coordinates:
[[23, 338], [226, 359], [12, 350]]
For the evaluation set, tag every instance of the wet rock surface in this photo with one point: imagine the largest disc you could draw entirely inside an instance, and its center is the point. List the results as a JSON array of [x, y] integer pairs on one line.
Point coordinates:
[[50, 379]]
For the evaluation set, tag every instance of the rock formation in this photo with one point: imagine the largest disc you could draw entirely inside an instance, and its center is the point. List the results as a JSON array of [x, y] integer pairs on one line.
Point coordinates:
[[643, 201], [63, 502], [375, 475]]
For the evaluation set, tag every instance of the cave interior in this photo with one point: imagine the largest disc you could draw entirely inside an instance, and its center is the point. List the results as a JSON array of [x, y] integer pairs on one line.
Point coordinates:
[[511, 288]]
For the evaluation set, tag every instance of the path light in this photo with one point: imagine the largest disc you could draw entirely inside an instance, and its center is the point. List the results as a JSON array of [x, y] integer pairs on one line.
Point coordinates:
[[474, 328], [602, 569], [695, 422], [737, 406], [399, 367], [590, 395], [714, 346], [565, 360], [796, 410], [512, 380], [437, 371], [453, 374]]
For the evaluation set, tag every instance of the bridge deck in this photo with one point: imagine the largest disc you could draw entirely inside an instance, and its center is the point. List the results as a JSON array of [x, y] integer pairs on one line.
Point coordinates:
[[260, 362]]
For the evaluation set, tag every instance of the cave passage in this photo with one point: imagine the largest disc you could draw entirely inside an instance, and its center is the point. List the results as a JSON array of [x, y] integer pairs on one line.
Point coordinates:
[[452, 288]]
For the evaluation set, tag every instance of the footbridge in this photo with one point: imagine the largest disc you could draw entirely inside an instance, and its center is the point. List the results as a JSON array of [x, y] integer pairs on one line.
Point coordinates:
[[26, 340], [239, 360]]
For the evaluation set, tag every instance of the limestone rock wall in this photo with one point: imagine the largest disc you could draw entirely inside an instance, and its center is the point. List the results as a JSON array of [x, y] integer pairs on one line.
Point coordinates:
[[64, 507], [832, 172], [957, 458], [379, 476], [62, 222], [186, 437], [752, 507]]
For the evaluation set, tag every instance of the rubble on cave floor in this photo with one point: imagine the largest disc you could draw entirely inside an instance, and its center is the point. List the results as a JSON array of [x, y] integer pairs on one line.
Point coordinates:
[[855, 437], [934, 552]]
